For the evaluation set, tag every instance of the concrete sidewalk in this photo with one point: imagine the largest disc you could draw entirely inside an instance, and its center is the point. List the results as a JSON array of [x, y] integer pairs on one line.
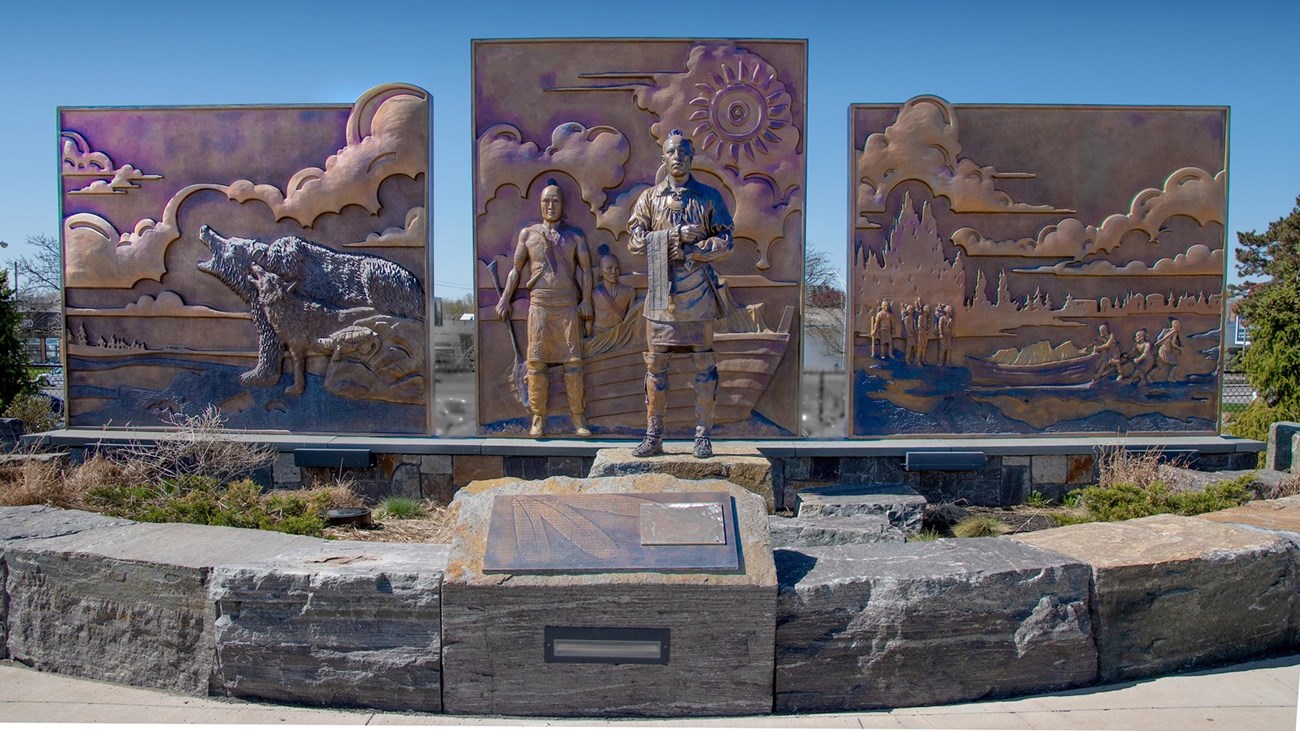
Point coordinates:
[[1256, 695]]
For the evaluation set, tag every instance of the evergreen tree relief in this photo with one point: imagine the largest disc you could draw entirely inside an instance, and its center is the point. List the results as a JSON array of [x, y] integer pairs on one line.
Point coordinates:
[[1271, 310], [911, 266]]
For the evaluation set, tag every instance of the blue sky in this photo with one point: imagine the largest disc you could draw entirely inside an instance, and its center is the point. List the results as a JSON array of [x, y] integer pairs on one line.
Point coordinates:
[[167, 53]]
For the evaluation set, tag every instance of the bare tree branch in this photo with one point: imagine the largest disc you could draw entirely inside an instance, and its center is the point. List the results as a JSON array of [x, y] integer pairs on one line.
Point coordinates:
[[824, 303], [42, 271]]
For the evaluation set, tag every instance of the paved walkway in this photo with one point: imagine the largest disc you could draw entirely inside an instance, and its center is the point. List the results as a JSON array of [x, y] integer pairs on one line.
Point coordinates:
[[1258, 695]]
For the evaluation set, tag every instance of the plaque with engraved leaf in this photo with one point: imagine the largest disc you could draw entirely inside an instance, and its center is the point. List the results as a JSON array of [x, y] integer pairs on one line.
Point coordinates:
[[689, 531]]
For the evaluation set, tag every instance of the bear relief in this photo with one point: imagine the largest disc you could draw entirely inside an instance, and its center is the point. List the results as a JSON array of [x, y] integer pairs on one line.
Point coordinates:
[[305, 296]]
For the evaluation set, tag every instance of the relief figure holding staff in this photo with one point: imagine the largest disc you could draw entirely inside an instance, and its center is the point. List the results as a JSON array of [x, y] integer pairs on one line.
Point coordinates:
[[681, 226]]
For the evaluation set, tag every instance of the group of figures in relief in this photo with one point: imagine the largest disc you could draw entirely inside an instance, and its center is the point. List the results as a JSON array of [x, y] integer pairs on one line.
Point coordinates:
[[1146, 362], [920, 324], [681, 226]]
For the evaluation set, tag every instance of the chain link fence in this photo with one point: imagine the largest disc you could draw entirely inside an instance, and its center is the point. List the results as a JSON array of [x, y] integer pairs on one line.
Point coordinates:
[[1237, 393]]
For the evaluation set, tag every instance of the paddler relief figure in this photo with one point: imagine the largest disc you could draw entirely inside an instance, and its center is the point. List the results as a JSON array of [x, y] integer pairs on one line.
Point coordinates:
[[559, 284], [681, 226]]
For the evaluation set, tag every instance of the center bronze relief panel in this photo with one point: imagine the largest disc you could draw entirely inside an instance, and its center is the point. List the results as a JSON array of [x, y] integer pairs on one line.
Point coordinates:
[[639, 236]]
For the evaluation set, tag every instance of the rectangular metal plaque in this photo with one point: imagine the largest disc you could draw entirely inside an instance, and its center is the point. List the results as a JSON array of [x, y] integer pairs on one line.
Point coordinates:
[[682, 524], [693, 531], [608, 645]]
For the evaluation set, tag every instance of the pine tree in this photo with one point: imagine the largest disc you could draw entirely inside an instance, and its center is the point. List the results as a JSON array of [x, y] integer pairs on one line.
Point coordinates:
[[1271, 311], [15, 377]]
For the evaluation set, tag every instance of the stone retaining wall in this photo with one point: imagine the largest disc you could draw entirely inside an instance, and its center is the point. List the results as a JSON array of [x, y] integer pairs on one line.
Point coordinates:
[[437, 468], [298, 620]]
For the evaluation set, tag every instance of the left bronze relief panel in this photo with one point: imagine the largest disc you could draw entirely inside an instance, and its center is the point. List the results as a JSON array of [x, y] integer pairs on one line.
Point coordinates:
[[570, 137], [271, 261]]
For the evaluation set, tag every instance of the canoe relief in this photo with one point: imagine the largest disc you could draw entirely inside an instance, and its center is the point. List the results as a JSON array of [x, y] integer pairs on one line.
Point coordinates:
[[990, 299]]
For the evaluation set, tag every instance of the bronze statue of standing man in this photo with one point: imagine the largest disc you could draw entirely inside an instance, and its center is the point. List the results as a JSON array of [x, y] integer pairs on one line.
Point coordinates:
[[559, 284], [681, 226]]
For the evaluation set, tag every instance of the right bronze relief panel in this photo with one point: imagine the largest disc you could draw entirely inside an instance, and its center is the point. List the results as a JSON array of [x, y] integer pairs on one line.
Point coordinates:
[[1035, 269]]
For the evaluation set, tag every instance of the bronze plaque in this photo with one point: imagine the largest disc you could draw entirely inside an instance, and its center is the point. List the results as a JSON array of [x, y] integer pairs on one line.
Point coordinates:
[[569, 138], [1036, 269], [269, 261], [684, 531]]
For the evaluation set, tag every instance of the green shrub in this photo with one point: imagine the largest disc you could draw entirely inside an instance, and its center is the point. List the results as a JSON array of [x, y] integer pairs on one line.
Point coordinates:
[[979, 526], [16, 378], [402, 507], [34, 409], [1036, 500], [1068, 518], [204, 501], [1124, 501], [1216, 496], [1253, 421]]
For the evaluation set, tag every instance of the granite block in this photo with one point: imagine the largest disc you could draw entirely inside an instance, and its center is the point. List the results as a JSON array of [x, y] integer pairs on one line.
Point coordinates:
[[1172, 593], [833, 531], [470, 467], [887, 625], [899, 504], [36, 522], [435, 464], [1051, 468], [1081, 469], [127, 604], [1280, 454], [333, 624]]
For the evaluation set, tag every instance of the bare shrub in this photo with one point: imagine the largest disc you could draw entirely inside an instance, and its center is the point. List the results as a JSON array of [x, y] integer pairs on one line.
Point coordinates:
[[436, 525], [34, 478], [200, 445], [29, 479], [341, 494], [1286, 488], [1116, 466], [979, 526]]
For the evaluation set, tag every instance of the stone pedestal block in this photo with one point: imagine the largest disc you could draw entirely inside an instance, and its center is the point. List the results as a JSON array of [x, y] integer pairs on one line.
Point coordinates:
[[900, 504], [833, 531], [127, 604], [342, 623], [719, 625], [744, 466], [887, 625], [1173, 593]]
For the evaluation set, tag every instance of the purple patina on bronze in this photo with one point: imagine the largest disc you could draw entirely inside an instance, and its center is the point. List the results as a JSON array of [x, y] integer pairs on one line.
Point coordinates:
[[204, 244], [1074, 257], [592, 115]]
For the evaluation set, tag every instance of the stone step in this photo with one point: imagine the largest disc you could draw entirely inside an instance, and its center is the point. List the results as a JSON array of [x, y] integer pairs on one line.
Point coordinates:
[[742, 465], [902, 505], [803, 532]]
